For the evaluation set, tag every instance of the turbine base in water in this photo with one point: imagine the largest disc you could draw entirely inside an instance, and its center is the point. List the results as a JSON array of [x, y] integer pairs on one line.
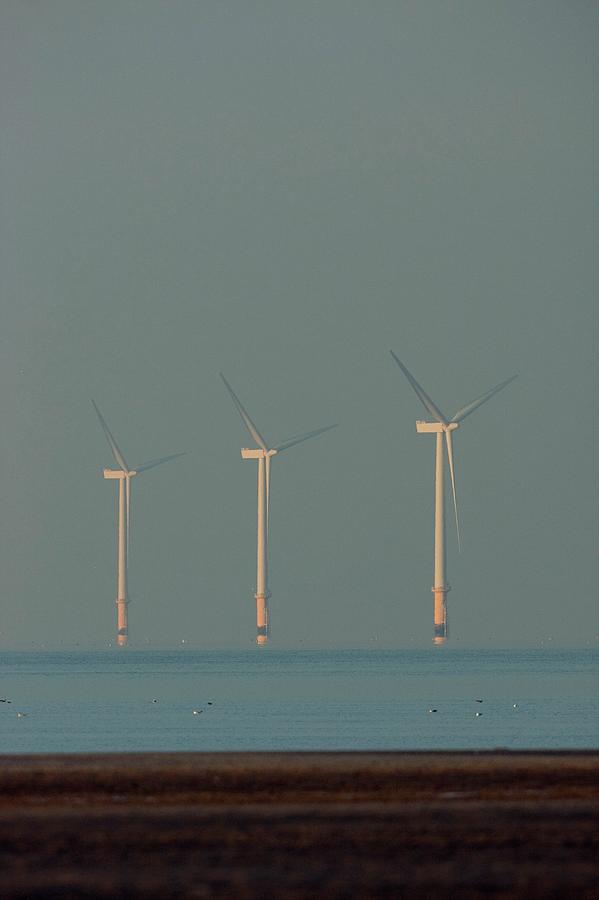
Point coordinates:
[[262, 618], [440, 627], [122, 637]]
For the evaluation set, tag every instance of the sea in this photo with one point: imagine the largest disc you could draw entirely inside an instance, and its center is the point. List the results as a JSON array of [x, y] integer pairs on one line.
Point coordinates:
[[262, 698]]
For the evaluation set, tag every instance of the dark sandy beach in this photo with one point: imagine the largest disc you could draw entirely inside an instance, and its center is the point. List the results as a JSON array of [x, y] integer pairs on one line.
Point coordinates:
[[261, 825]]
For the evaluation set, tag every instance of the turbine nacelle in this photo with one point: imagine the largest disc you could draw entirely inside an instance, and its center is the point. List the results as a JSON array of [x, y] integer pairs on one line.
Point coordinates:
[[252, 453], [117, 473], [434, 427]]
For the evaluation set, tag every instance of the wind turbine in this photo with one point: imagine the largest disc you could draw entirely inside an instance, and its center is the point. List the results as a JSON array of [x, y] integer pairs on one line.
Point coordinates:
[[124, 475], [443, 426], [264, 455]]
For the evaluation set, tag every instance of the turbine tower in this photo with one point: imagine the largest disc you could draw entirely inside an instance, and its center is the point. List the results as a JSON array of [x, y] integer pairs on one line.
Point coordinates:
[[443, 426], [123, 474], [264, 455]]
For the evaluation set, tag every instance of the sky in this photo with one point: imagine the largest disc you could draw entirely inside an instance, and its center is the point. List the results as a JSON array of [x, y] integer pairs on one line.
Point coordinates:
[[285, 192]]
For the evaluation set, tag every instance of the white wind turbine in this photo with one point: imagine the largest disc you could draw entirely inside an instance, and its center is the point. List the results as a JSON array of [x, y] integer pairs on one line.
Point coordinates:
[[443, 426], [264, 455], [124, 475]]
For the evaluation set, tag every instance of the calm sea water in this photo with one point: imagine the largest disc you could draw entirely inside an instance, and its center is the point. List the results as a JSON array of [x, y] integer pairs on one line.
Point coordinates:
[[266, 699]]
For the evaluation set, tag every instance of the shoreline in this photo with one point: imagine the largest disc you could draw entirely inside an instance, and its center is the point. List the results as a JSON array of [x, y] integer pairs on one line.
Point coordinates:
[[379, 776], [417, 824]]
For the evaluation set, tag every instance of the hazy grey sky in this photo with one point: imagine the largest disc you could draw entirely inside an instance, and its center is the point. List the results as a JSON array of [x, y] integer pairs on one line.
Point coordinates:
[[285, 191]]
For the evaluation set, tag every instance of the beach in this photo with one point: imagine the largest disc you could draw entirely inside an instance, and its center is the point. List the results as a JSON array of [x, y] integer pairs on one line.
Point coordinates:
[[452, 824]]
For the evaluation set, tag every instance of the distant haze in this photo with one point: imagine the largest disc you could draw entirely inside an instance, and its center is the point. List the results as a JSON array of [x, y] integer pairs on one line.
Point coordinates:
[[285, 192]]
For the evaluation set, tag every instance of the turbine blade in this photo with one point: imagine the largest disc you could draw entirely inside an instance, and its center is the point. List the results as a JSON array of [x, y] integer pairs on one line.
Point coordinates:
[[449, 443], [118, 456], [155, 462], [298, 438], [267, 466], [429, 405], [128, 513], [268, 469], [466, 410], [245, 416]]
